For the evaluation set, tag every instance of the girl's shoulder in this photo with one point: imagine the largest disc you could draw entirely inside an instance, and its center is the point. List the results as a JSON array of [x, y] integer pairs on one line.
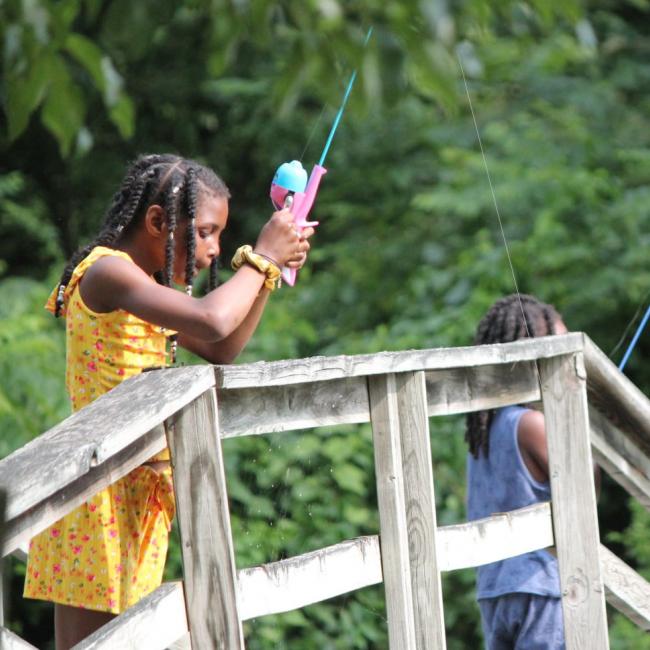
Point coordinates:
[[95, 254]]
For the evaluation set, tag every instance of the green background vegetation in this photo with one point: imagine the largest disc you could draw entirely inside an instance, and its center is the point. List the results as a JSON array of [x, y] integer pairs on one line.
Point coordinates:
[[409, 253]]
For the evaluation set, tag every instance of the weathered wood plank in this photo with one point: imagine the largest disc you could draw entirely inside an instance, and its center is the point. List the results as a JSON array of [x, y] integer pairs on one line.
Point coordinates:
[[574, 501], [297, 371], [462, 390], [421, 524], [310, 578], [612, 393], [92, 435], [25, 525], [625, 589], [246, 411], [495, 538], [620, 441], [204, 522], [11, 641], [250, 411], [384, 415], [622, 468], [154, 623]]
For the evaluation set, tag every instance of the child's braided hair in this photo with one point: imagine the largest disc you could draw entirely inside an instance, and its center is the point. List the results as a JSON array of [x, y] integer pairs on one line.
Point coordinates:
[[177, 185], [507, 320]]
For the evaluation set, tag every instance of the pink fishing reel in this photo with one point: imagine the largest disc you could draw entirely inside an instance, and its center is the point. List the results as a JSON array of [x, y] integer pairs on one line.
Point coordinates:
[[291, 189]]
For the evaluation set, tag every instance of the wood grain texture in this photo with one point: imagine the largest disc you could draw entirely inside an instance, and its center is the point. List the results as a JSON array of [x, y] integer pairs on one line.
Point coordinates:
[[420, 501], [353, 564], [462, 390], [625, 589], [391, 498], [267, 409], [52, 507], [574, 501], [612, 393], [495, 538], [95, 433], [299, 371], [253, 411], [620, 461], [154, 623], [309, 578], [204, 522]]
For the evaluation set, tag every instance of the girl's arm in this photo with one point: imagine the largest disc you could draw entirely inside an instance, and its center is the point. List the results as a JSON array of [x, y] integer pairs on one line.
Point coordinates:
[[227, 350], [531, 437], [114, 283]]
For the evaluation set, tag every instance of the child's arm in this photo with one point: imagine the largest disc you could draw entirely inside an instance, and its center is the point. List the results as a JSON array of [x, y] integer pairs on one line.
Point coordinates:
[[531, 437], [114, 283], [227, 350]]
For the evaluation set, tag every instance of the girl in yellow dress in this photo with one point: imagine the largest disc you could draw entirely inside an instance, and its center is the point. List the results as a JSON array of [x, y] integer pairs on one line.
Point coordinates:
[[116, 295]]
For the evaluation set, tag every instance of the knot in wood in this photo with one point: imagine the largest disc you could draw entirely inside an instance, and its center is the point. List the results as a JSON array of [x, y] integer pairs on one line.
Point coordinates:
[[577, 590]]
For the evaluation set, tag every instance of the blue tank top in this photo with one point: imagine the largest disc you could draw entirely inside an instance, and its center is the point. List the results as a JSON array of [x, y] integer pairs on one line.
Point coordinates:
[[499, 483]]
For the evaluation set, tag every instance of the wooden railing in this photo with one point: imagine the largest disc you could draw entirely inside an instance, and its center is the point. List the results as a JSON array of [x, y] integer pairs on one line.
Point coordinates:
[[192, 408]]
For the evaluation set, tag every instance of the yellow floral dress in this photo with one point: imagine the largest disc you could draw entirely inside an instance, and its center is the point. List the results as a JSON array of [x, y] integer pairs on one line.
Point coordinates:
[[110, 552]]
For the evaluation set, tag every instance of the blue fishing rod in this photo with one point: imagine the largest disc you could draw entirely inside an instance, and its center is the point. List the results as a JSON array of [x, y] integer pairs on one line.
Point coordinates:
[[290, 187]]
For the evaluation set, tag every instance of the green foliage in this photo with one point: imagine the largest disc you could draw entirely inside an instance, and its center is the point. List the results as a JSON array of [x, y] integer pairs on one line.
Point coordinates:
[[32, 397], [410, 251], [40, 48]]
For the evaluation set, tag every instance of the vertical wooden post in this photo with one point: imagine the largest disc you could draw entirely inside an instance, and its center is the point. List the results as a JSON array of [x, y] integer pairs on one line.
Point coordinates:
[[204, 522], [382, 392], [574, 501], [420, 510]]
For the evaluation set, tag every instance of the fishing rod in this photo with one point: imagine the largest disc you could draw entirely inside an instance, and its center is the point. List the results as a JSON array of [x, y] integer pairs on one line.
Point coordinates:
[[292, 189]]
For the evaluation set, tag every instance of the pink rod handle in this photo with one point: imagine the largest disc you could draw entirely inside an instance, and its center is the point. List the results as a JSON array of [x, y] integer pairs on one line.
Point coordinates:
[[302, 204]]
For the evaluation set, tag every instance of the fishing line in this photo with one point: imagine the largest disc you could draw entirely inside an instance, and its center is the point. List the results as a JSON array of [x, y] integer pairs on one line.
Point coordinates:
[[494, 197], [629, 325], [313, 131], [635, 338]]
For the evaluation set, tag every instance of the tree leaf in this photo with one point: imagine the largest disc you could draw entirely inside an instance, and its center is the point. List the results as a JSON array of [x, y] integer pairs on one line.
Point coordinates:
[[122, 114], [89, 56], [64, 107], [25, 93]]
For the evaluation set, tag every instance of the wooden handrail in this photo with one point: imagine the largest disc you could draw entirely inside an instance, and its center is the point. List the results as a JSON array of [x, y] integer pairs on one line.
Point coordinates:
[[614, 395]]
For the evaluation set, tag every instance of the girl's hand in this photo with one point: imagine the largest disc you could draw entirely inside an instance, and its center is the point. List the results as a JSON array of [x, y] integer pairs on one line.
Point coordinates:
[[280, 241]]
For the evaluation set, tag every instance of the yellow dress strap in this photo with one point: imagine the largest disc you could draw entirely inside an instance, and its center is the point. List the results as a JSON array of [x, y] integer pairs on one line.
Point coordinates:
[[78, 273]]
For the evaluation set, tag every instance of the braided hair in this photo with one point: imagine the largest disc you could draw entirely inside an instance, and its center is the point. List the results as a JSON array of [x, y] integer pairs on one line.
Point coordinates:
[[511, 318], [177, 185]]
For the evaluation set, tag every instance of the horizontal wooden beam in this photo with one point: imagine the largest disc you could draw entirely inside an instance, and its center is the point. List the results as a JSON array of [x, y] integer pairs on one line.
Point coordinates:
[[250, 411], [614, 395], [625, 589], [354, 564], [97, 432], [619, 457], [300, 371], [156, 622], [495, 538], [309, 578], [24, 525]]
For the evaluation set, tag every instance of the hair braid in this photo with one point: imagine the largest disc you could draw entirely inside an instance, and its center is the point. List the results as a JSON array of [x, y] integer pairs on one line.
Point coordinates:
[[191, 209], [176, 184], [509, 319], [214, 277]]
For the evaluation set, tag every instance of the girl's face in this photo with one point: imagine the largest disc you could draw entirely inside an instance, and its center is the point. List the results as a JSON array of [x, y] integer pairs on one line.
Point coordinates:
[[211, 220]]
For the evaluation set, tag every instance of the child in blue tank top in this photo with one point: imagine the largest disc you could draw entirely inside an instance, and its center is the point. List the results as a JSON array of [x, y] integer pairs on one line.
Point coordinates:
[[507, 468]]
